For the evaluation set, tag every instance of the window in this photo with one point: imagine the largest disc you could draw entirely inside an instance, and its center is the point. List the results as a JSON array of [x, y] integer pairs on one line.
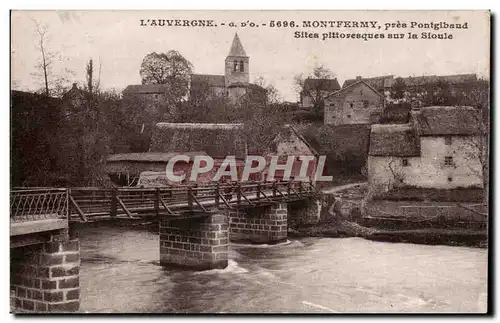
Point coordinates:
[[447, 140], [448, 161], [405, 162], [351, 104], [235, 66], [450, 179], [366, 104], [348, 115], [242, 66]]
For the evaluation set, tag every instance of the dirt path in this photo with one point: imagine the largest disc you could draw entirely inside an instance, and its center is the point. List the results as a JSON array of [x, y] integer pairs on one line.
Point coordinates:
[[342, 187]]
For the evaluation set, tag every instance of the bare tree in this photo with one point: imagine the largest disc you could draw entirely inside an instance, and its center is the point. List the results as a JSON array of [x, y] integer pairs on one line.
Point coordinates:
[[52, 85], [315, 87], [44, 65]]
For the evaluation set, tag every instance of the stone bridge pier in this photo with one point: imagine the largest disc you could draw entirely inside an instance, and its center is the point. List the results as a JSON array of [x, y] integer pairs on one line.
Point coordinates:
[[45, 277], [259, 224], [200, 241]]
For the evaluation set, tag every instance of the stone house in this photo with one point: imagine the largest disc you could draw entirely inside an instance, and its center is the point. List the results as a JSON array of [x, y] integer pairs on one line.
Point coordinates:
[[289, 142], [415, 84], [317, 88], [437, 149], [358, 103]]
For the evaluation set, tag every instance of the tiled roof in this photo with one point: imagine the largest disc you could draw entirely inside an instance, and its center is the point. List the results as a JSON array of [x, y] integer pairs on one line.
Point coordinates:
[[378, 82], [146, 89], [330, 85], [211, 80], [441, 120], [398, 140]]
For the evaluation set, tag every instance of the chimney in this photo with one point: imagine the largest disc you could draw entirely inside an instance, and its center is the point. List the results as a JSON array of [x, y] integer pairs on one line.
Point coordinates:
[[358, 78], [75, 86]]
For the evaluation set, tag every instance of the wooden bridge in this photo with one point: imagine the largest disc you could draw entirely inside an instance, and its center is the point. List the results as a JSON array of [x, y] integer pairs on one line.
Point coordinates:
[[38, 205]]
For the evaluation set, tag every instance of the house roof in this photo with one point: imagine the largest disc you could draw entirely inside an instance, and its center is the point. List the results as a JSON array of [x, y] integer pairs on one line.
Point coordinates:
[[397, 140], [381, 82], [216, 139], [287, 130], [211, 80], [237, 48], [355, 84], [146, 89], [330, 85], [150, 156], [442, 120], [378, 82]]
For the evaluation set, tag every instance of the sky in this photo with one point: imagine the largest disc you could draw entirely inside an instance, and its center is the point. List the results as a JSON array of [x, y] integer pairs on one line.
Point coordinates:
[[117, 41]]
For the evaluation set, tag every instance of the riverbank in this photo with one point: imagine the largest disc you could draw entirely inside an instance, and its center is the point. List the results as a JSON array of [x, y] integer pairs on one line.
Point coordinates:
[[334, 228]]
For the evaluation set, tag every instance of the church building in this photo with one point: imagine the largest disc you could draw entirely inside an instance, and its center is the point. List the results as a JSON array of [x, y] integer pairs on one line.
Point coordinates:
[[235, 82]]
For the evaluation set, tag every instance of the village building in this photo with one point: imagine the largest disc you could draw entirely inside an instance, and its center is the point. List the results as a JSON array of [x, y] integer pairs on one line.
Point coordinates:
[[439, 149], [234, 84], [74, 100], [215, 140], [385, 84], [316, 88], [358, 103]]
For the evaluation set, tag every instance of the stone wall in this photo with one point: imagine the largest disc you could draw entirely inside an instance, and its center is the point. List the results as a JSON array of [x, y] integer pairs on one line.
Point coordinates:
[[304, 212], [265, 224], [199, 243], [46, 277]]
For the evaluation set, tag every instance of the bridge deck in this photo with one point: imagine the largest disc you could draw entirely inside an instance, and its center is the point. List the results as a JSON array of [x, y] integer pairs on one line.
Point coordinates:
[[95, 204]]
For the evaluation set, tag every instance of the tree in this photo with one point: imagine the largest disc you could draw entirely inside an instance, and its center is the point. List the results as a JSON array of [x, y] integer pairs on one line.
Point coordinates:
[[315, 87], [92, 83], [398, 89], [51, 84], [46, 56], [171, 69]]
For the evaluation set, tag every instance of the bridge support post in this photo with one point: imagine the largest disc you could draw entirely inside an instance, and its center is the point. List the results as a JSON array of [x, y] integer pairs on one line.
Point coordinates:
[[263, 224], [198, 243], [46, 277]]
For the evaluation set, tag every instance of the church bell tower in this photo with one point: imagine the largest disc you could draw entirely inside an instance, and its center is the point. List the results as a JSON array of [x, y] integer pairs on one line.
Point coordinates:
[[237, 65]]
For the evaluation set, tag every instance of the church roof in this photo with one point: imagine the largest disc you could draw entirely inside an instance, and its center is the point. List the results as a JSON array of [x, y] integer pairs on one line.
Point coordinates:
[[146, 88], [211, 80], [237, 47]]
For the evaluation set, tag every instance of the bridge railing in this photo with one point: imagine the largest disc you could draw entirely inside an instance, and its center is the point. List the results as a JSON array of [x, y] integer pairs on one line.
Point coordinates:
[[86, 202], [38, 204]]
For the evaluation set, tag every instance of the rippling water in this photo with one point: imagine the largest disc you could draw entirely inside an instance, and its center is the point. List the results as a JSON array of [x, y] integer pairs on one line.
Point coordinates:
[[120, 273]]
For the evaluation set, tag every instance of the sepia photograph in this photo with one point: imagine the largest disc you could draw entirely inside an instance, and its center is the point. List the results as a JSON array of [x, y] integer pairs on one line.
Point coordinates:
[[250, 161]]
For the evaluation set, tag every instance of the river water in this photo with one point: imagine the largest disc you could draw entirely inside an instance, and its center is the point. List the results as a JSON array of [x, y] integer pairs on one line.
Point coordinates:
[[120, 273]]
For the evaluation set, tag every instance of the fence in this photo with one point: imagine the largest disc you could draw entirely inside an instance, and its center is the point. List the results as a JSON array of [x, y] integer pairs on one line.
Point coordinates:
[[92, 203], [38, 204]]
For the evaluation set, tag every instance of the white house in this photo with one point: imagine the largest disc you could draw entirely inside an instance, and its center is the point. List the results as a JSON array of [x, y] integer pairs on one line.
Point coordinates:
[[439, 148]]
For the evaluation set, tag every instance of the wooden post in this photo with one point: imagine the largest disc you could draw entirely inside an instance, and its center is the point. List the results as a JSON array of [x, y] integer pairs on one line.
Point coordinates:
[[238, 193], [217, 192], [114, 203], [274, 189], [157, 202], [68, 213], [190, 197], [288, 189], [258, 191], [300, 188]]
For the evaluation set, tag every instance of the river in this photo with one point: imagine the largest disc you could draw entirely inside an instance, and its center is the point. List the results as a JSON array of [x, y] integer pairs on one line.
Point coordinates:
[[120, 273]]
